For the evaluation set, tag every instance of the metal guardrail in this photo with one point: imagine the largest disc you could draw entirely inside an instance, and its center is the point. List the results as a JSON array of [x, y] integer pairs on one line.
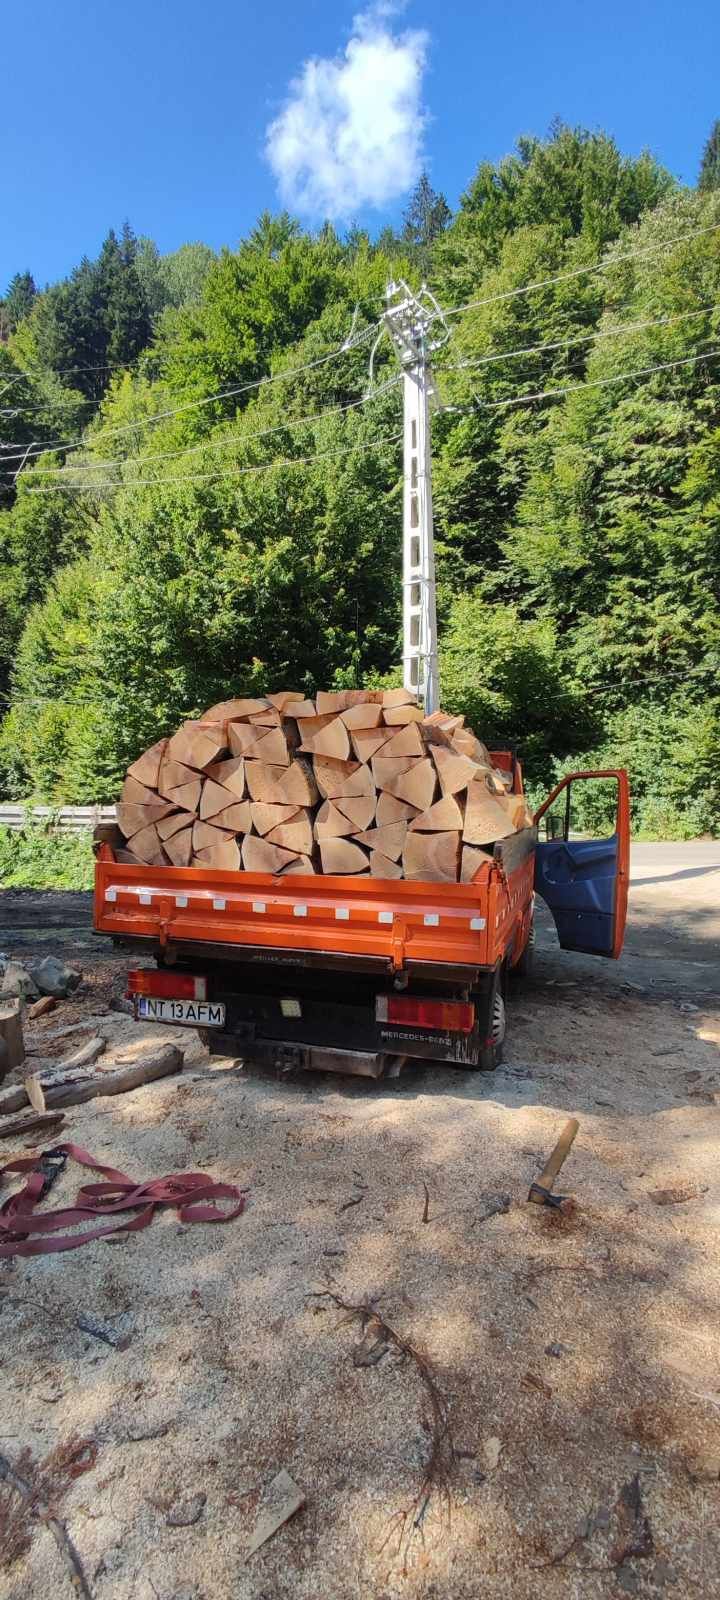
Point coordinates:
[[67, 819]]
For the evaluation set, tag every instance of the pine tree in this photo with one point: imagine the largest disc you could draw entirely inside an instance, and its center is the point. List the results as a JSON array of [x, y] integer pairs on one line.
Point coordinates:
[[19, 298], [710, 165], [427, 215]]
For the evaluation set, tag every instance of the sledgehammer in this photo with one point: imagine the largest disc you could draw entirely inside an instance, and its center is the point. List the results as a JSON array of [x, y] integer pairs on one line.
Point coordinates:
[[541, 1192]]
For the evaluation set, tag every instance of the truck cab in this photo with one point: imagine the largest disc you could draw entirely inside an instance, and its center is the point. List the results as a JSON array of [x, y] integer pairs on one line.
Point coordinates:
[[361, 974]]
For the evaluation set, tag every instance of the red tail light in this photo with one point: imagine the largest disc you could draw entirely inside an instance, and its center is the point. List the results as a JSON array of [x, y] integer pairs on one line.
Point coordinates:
[[453, 1016], [166, 985]]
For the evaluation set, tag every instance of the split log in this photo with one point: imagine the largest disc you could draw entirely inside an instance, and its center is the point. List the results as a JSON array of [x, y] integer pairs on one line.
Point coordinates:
[[432, 857], [399, 716], [465, 743], [408, 742], [303, 864], [39, 1122], [215, 797], [519, 812], [455, 772], [331, 776], [359, 784], [229, 710], [388, 840], [301, 709], [297, 834], [472, 860], [398, 697], [442, 817], [331, 701], [417, 786], [297, 784], [342, 857], [237, 816], [359, 809], [262, 783], [382, 867], [259, 856], [225, 857], [332, 740], [362, 715], [173, 774], [12, 1043], [147, 846], [180, 848], [205, 835], [272, 747], [386, 769], [75, 1093], [242, 738], [367, 741], [269, 718], [137, 794], [132, 819], [331, 822], [390, 809], [187, 798], [147, 767], [266, 817], [196, 744], [174, 824], [487, 817], [282, 701], [231, 774]]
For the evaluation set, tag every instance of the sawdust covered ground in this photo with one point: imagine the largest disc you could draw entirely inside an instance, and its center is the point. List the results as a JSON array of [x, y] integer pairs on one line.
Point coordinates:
[[572, 1354]]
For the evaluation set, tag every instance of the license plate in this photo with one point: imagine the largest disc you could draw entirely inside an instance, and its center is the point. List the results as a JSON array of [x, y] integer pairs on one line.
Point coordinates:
[[191, 1013]]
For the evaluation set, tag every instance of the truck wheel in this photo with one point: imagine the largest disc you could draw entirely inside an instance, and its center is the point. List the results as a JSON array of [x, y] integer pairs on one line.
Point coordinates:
[[524, 967], [491, 1055]]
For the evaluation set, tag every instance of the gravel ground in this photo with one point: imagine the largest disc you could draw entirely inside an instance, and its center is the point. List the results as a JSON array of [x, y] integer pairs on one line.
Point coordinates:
[[571, 1354]]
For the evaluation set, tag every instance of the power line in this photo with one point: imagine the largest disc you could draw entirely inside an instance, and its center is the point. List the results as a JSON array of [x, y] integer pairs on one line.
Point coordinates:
[[38, 446], [226, 440], [588, 383], [226, 472], [562, 344], [579, 272]]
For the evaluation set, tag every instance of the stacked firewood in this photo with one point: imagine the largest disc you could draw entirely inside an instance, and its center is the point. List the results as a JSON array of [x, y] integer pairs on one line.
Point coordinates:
[[359, 782]]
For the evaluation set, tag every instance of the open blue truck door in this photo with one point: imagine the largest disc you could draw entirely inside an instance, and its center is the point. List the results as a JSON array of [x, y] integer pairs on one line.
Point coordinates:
[[584, 881]]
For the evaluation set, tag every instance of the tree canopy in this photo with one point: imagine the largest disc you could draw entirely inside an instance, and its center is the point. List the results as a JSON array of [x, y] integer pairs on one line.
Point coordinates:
[[225, 512]]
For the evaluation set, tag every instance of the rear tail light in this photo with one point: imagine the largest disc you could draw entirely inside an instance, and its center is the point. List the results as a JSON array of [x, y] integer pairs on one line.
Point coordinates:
[[456, 1016], [166, 985]]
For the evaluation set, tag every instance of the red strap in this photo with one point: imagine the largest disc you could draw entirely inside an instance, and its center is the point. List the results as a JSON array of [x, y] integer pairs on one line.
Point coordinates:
[[183, 1190]]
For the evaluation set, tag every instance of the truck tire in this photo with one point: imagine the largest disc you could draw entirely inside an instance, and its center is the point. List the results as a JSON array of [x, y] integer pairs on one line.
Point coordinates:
[[524, 967], [491, 1055]]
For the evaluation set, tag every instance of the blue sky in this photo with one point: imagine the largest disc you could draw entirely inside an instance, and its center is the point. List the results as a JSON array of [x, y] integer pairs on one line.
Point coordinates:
[[158, 112]]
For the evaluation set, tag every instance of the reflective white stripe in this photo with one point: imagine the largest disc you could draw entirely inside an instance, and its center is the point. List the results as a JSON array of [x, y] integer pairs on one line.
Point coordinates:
[[299, 911], [219, 903], [431, 919], [342, 914], [386, 916], [181, 900], [144, 898], [259, 905], [477, 924], [111, 894]]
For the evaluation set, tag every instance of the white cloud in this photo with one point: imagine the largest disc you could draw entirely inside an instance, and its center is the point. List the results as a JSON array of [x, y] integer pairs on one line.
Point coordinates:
[[350, 133]]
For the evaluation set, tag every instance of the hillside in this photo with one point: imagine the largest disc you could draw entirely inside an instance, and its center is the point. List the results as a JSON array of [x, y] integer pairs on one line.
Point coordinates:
[[199, 497]]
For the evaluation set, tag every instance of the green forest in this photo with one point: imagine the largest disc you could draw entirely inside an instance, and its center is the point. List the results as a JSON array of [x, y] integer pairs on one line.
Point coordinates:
[[201, 495]]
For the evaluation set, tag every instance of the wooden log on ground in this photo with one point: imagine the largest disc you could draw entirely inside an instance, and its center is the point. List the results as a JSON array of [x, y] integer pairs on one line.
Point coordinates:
[[12, 1044], [147, 767], [432, 857], [342, 857], [442, 817], [38, 1122], [259, 856], [158, 1065]]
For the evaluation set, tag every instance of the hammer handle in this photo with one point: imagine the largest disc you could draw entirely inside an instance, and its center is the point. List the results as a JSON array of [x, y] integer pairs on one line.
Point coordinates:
[[559, 1154]]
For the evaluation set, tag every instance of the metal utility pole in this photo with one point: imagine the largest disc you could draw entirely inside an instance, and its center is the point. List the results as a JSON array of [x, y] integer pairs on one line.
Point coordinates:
[[417, 328]]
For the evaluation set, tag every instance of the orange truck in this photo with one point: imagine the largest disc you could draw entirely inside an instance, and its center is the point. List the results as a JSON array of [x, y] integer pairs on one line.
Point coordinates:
[[356, 975]]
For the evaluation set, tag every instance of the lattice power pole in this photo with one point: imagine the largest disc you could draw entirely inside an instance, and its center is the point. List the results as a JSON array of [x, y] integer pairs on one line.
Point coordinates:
[[417, 328]]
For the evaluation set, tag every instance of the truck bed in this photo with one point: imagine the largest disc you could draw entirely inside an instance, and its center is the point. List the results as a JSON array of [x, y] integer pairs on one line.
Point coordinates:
[[369, 923]]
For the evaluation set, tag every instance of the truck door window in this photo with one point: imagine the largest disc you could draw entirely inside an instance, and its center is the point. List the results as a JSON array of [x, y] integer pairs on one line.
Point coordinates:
[[586, 809]]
